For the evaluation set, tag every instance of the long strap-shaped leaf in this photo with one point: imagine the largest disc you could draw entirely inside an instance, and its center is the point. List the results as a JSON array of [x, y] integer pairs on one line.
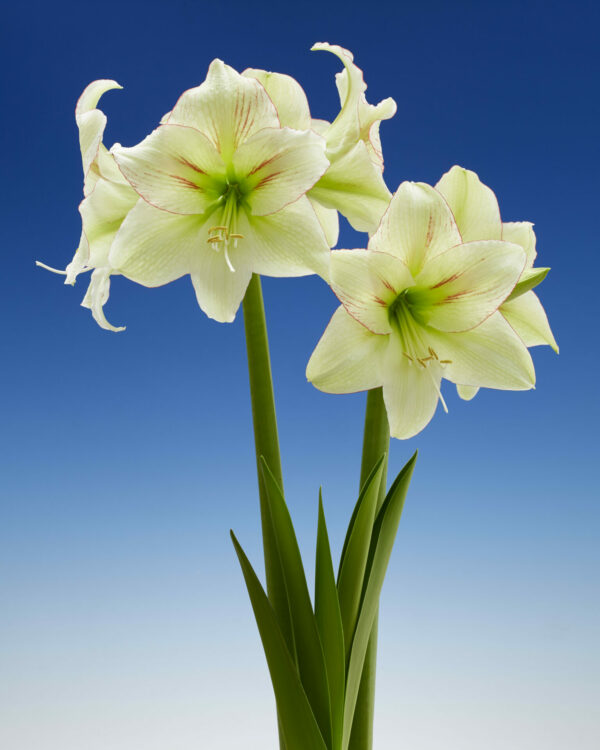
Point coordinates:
[[384, 534], [297, 720], [311, 660], [329, 622], [354, 561]]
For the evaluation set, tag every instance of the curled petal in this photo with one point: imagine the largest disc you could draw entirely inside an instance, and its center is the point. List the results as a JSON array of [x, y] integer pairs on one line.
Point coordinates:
[[227, 108], [329, 220], [521, 233], [175, 168], [417, 226], [366, 283], [277, 166], [410, 392], [287, 95], [348, 357], [460, 288], [489, 356], [473, 204], [97, 296], [528, 318]]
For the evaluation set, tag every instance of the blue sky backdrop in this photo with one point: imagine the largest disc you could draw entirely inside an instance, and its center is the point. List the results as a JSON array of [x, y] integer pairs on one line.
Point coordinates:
[[125, 458]]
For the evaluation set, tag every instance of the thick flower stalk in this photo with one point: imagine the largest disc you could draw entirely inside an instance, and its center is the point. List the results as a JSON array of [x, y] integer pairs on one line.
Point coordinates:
[[223, 188], [477, 215], [353, 183], [108, 199], [419, 305]]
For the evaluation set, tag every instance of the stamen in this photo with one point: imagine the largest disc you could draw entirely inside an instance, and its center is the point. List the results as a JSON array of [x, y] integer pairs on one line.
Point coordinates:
[[49, 268], [445, 361]]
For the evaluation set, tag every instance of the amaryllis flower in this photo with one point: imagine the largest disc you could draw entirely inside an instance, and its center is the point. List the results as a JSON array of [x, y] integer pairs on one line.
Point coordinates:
[[353, 184], [108, 199], [223, 188], [420, 305], [477, 215]]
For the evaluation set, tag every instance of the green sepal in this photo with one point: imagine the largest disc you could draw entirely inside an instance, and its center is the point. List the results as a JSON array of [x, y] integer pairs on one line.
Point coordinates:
[[329, 622], [299, 725], [528, 281]]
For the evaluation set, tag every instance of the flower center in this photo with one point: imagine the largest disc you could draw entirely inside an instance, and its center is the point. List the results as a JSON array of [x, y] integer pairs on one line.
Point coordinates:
[[225, 234]]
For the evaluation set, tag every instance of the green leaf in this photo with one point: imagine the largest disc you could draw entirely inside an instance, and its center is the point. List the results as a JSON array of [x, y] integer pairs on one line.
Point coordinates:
[[382, 542], [311, 660], [529, 280], [329, 622], [352, 569], [300, 728]]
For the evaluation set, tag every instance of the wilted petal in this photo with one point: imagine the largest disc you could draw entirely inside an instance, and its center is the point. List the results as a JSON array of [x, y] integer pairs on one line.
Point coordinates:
[[527, 316], [367, 283], [289, 242], [277, 166], [460, 288], [287, 95], [175, 168], [347, 358], [473, 204], [97, 296], [354, 187], [521, 233], [417, 226], [490, 356], [91, 121], [410, 392], [227, 108]]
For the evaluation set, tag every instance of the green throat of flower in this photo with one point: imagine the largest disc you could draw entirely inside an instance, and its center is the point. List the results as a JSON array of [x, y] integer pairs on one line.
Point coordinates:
[[224, 235]]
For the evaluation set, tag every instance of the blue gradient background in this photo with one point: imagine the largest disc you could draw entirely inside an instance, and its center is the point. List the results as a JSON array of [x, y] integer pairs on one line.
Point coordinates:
[[125, 458]]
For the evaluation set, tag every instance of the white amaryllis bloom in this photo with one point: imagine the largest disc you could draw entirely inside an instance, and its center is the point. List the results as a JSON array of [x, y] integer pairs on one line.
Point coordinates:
[[420, 305], [224, 189], [353, 184], [108, 199], [477, 215]]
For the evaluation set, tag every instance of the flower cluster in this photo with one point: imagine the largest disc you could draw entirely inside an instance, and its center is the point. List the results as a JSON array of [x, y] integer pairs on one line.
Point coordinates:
[[240, 179]]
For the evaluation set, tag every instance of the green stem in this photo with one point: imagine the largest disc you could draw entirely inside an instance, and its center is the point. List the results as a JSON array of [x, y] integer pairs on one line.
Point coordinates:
[[376, 442], [266, 443]]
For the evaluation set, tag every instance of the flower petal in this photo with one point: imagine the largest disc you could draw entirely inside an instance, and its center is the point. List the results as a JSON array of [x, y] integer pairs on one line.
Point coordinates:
[[329, 220], [527, 316], [227, 108], [154, 247], [347, 358], [277, 166], [521, 233], [91, 121], [219, 291], [417, 226], [366, 283], [490, 356], [460, 288], [175, 168], [410, 392], [97, 296], [287, 95], [473, 204], [355, 187], [466, 392], [289, 242]]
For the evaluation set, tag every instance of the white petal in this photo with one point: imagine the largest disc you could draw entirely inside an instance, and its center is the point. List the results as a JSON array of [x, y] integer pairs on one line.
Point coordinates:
[[154, 247], [329, 220], [417, 226], [490, 356], [97, 296], [91, 121], [466, 284], [473, 204], [366, 283], [175, 168], [347, 358], [521, 233], [527, 316], [355, 187], [289, 242], [219, 291], [287, 95], [466, 392], [277, 166], [227, 108], [410, 391]]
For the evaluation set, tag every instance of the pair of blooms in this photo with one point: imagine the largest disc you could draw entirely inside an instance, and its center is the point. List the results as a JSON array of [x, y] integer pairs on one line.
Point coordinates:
[[239, 179]]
